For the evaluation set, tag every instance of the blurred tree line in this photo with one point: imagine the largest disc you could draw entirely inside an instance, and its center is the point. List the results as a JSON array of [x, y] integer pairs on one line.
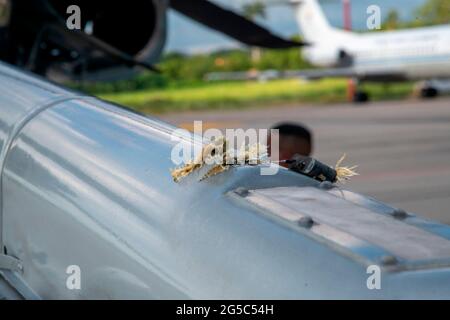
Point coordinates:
[[432, 12], [178, 69]]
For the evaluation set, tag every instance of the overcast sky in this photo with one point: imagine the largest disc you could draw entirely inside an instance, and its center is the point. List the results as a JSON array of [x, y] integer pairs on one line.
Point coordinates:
[[188, 36]]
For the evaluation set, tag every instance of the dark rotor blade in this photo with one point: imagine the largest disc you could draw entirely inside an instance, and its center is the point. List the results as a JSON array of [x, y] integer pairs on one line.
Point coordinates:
[[232, 24]]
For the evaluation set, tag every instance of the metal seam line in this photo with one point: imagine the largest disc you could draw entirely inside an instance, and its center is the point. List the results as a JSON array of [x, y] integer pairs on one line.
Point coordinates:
[[17, 127]]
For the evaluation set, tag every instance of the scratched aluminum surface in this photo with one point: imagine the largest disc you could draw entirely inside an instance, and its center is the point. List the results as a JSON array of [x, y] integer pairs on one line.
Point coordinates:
[[87, 183]]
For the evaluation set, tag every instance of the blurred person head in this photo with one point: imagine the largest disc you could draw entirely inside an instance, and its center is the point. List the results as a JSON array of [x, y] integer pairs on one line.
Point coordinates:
[[294, 138]]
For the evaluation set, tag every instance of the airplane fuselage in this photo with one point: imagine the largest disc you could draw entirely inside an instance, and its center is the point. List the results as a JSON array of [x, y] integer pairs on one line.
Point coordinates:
[[414, 54], [418, 54]]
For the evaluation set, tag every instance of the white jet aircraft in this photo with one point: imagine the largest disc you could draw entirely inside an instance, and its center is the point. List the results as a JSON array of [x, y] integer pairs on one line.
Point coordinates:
[[412, 54]]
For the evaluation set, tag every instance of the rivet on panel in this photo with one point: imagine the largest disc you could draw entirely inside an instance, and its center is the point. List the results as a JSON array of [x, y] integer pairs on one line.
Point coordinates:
[[389, 260], [305, 222], [399, 214], [241, 192]]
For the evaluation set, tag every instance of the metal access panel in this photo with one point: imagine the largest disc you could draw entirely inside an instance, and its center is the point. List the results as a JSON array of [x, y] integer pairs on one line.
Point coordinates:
[[362, 232]]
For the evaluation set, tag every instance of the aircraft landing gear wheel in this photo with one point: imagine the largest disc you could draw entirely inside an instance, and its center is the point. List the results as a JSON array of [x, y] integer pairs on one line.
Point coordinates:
[[360, 96], [428, 92]]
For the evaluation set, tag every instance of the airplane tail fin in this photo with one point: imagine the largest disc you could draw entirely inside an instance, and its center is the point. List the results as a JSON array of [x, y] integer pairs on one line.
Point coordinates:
[[312, 21]]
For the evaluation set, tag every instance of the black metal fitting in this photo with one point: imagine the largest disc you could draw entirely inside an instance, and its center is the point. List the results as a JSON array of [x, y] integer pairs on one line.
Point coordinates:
[[312, 168]]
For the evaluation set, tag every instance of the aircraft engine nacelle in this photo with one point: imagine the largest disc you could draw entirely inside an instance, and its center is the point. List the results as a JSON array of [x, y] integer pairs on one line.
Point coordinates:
[[327, 56], [139, 30], [108, 37]]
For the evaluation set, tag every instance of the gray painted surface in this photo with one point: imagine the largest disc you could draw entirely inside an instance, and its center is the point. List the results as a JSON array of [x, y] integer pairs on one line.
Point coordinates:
[[87, 183]]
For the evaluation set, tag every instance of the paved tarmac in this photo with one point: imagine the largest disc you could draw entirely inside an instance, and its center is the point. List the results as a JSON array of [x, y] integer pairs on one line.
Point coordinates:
[[402, 147]]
